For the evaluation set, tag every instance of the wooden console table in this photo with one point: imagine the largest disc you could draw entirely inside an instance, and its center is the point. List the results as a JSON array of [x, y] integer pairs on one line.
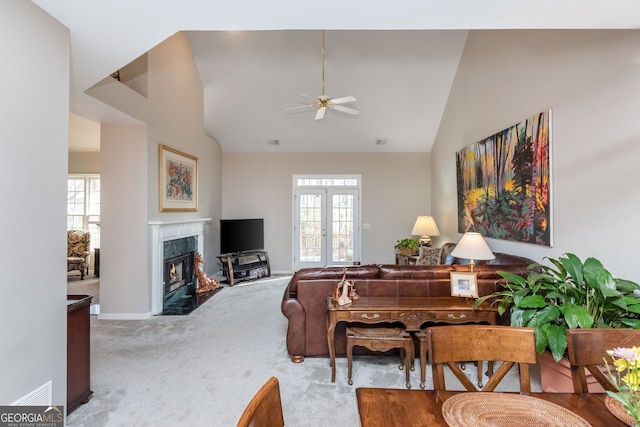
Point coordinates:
[[412, 312]]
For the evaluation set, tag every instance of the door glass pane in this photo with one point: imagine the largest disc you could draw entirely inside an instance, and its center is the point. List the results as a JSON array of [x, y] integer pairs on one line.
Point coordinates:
[[310, 228], [342, 227]]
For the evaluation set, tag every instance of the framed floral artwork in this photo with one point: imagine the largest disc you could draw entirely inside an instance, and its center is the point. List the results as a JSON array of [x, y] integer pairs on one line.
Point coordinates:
[[178, 180]]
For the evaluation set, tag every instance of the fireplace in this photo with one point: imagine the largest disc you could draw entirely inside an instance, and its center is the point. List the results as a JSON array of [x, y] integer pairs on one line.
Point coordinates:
[[178, 282], [173, 283]]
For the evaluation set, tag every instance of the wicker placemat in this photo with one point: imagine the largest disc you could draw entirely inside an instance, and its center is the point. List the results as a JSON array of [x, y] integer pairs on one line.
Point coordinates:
[[500, 409], [618, 410]]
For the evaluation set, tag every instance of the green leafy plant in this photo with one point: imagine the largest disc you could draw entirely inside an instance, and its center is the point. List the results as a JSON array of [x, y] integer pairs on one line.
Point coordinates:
[[412, 244], [566, 294]]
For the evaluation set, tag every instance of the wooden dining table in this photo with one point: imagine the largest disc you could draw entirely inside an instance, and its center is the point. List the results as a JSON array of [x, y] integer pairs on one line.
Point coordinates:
[[382, 407]]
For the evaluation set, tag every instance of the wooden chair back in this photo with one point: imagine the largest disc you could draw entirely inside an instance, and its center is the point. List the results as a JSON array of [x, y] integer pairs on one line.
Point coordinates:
[[449, 345], [265, 408], [587, 349]]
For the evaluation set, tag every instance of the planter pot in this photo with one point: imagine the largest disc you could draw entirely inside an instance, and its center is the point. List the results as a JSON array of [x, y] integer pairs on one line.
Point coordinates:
[[406, 251], [555, 377]]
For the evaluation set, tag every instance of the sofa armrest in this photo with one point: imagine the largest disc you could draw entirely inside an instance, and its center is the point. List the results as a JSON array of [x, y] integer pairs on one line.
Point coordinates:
[[296, 335]]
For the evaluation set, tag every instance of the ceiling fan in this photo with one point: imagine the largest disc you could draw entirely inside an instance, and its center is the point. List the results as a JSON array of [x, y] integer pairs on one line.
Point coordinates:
[[323, 102]]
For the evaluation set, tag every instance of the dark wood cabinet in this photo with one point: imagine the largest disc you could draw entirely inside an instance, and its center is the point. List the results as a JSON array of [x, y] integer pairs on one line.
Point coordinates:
[[78, 355]]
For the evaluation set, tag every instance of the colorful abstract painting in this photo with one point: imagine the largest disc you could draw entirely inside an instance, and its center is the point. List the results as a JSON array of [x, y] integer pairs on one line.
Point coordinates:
[[504, 183]]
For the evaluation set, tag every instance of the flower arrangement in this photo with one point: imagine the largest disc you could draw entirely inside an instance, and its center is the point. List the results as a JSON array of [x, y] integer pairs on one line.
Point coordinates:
[[627, 380]]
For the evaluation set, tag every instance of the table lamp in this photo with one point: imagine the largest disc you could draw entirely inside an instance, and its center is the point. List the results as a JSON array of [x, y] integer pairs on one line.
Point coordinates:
[[472, 247], [425, 227]]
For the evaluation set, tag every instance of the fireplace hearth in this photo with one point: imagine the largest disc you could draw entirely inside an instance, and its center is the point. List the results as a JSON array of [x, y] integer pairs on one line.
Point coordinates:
[[179, 279], [184, 300]]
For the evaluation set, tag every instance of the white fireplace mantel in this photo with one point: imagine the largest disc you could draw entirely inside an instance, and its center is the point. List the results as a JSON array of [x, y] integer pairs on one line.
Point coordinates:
[[164, 231]]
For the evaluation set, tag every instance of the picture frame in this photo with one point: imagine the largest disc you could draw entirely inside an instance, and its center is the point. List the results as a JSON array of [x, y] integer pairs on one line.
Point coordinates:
[[464, 285], [177, 180]]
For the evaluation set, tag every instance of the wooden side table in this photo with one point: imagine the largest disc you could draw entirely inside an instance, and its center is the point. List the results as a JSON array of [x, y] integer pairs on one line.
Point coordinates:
[[96, 262], [406, 259]]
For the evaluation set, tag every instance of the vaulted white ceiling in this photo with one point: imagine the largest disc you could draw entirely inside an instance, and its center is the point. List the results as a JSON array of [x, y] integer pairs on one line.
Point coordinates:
[[256, 58]]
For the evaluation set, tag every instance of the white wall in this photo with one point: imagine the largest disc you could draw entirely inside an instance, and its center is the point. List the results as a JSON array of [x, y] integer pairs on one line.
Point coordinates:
[[84, 162], [591, 81], [34, 117], [395, 190], [172, 115], [124, 259]]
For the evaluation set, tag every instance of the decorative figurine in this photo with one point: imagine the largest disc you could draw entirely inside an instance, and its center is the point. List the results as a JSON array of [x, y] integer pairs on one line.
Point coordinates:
[[345, 291], [205, 284]]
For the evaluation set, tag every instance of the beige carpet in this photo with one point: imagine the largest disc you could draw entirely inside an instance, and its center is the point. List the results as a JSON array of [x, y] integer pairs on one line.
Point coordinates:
[[89, 286], [202, 369]]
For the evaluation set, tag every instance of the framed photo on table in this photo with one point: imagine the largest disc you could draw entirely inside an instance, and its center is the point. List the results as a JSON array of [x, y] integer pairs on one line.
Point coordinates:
[[464, 284], [177, 180]]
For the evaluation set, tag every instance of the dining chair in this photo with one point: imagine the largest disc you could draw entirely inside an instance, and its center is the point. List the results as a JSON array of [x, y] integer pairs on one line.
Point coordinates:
[[447, 346], [587, 350], [265, 408]]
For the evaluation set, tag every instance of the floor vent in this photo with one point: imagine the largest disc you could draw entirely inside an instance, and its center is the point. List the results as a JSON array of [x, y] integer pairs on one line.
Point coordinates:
[[42, 396]]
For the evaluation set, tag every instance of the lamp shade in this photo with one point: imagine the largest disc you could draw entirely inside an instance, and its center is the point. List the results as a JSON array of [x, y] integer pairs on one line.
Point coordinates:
[[472, 246], [425, 226]]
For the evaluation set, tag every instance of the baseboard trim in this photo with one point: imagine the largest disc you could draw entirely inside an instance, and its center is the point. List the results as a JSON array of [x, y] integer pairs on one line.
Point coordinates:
[[281, 272], [125, 316]]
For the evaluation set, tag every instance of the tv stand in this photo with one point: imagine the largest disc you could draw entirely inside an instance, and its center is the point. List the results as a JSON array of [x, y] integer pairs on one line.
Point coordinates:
[[245, 266]]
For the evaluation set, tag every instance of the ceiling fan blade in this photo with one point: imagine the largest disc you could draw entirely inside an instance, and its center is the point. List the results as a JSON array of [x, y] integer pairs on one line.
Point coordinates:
[[347, 110], [300, 108], [320, 114], [343, 100]]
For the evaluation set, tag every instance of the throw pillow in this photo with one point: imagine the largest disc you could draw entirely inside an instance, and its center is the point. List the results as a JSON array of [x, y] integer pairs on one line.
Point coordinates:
[[429, 256]]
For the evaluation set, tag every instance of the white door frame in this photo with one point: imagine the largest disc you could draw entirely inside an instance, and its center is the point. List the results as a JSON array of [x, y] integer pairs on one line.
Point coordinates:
[[326, 186]]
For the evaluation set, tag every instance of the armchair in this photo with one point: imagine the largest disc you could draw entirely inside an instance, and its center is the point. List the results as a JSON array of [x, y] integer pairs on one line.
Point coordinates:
[[78, 247]]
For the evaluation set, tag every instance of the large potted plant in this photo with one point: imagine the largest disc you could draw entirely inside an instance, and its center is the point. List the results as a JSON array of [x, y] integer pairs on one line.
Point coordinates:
[[568, 293], [408, 246]]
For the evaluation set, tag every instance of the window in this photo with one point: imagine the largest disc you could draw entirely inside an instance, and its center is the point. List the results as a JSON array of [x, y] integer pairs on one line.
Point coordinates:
[[327, 182], [83, 205]]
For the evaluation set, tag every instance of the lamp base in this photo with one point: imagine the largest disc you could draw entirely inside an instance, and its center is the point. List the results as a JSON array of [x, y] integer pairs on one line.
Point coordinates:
[[425, 241]]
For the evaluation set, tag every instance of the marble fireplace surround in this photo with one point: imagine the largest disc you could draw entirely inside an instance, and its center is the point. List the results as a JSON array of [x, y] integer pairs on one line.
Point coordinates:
[[164, 231]]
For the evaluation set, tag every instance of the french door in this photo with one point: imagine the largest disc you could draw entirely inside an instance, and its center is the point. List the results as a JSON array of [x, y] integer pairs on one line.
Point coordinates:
[[326, 228]]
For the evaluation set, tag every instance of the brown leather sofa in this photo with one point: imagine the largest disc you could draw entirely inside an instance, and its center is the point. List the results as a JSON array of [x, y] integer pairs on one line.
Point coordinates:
[[304, 300]]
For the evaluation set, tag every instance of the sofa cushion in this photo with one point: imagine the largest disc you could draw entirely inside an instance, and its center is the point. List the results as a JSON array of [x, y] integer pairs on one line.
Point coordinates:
[[429, 256], [353, 272], [490, 271], [392, 271]]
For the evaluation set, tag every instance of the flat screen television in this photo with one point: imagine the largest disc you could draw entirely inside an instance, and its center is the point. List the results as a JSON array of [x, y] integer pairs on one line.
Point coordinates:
[[241, 235]]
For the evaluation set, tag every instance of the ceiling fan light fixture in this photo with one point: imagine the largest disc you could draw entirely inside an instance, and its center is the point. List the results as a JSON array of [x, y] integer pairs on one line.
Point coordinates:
[[323, 102]]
